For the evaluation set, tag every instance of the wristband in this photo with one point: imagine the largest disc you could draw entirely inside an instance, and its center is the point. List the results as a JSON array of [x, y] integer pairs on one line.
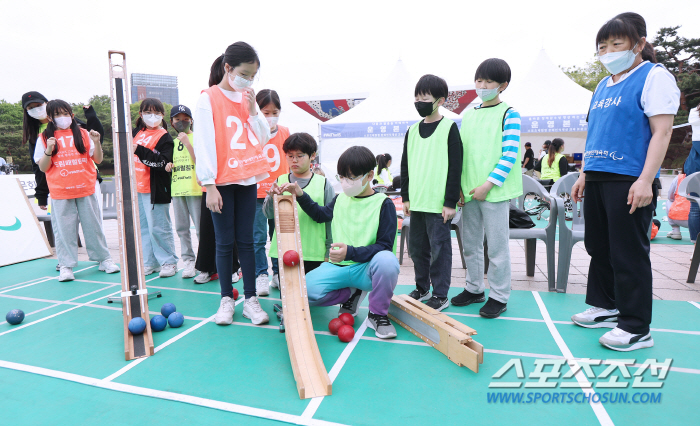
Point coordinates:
[[48, 155]]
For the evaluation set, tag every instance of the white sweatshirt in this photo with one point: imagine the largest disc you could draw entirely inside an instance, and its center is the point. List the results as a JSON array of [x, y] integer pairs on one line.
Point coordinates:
[[205, 148]]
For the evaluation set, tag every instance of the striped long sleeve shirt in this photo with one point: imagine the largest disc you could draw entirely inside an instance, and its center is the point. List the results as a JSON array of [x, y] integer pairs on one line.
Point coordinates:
[[510, 144]]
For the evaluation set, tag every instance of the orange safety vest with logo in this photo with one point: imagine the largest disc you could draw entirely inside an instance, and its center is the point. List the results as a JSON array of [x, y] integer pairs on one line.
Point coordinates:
[[274, 154], [71, 174], [148, 138], [680, 208], [238, 151]]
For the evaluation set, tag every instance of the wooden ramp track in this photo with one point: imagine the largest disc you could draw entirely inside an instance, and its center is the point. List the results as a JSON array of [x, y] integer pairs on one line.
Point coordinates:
[[307, 364], [134, 293], [440, 331]]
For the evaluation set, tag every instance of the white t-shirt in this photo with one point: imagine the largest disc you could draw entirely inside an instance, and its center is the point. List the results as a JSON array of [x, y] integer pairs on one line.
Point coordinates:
[[660, 94], [694, 120], [40, 149], [205, 148]]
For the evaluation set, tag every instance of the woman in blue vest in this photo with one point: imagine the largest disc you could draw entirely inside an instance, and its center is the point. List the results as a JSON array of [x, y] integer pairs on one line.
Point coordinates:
[[629, 127], [692, 165]]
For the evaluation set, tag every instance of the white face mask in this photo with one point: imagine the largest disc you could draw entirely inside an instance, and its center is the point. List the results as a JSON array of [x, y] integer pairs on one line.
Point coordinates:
[[617, 62], [38, 113], [239, 83], [353, 188], [272, 121], [487, 94], [63, 122], [152, 120]]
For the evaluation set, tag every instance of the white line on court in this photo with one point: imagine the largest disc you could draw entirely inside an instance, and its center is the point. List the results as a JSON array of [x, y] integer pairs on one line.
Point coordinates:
[[598, 408], [310, 410], [696, 304], [171, 396], [47, 279], [26, 282]]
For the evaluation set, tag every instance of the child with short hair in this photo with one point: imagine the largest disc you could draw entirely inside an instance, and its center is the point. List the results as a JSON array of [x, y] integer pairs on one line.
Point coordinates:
[[432, 160], [491, 137], [300, 150], [362, 258]]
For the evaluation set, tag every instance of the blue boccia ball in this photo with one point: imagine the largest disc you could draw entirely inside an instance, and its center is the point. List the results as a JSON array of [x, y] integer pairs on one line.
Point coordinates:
[[14, 317], [176, 319], [167, 309], [158, 323], [137, 325]]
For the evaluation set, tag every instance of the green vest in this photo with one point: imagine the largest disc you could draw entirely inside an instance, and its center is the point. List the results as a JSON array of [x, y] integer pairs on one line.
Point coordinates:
[[184, 179], [380, 181], [42, 127], [427, 167], [313, 234], [553, 171], [482, 140], [356, 221]]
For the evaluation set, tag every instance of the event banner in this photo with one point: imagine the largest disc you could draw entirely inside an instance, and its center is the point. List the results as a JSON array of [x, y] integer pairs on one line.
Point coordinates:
[[554, 124], [20, 233]]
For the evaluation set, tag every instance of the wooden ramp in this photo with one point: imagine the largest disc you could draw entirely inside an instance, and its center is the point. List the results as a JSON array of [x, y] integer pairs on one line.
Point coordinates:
[[440, 331], [307, 364]]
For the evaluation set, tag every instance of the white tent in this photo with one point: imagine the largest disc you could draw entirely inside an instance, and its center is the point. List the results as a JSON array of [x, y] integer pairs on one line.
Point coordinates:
[[378, 123]]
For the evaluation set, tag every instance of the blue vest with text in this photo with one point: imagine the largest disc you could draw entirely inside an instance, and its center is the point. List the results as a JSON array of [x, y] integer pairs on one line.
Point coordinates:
[[618, 130]]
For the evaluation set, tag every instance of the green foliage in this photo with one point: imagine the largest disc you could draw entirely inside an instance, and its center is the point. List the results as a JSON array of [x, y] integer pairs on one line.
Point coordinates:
[[587, 76]]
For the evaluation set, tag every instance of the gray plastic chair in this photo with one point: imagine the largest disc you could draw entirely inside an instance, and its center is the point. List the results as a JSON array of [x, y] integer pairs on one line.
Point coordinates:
[[456, 226], [567, 237], [109, 199], [692, 184], [546, 234]]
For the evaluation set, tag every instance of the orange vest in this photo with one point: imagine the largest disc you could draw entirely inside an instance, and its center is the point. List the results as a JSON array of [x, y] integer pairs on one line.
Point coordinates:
[[148, 138], [275, 156], [71, 174], [238, 151], [680, 208]]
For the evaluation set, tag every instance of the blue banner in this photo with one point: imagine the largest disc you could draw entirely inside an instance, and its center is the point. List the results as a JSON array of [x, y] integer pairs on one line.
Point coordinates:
[[554, 124]]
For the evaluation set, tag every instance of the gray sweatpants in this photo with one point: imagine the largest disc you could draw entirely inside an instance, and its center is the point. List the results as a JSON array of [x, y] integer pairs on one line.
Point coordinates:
[[65, 216], [186, 208], [492, 218]]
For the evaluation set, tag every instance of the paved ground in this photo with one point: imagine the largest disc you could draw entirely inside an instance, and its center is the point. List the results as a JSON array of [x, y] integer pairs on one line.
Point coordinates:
[[670, 265]]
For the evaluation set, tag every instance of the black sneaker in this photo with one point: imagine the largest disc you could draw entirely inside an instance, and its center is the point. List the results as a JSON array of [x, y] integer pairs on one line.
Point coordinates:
[[353, 303], [492, 309], [438, 303], [416, 294], [466, 298]]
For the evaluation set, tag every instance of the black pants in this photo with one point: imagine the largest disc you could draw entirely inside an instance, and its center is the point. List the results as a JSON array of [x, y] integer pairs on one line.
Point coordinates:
[[619, 275], [310, 265], [206, 253], [430, 244]]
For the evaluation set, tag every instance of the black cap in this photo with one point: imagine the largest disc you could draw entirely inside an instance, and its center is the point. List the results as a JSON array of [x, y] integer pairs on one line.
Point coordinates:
[[177, 109], [31, 97]]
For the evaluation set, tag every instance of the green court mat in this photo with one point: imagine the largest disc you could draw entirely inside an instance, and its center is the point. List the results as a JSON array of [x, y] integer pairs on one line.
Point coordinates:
[[241, 373]]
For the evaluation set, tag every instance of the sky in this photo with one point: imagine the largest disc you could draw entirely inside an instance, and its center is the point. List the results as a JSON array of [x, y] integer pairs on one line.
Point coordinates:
[[306, 47]]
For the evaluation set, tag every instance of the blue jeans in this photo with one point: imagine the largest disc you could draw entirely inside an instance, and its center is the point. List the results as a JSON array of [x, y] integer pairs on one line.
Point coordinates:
[[157, 239], [261, 228], [234, 225], [694, 219]]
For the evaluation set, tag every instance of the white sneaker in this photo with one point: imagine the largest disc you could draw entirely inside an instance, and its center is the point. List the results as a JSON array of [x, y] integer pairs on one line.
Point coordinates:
[[619, 340], [275, 283], [675, 235], [189, 271], [66, 274], [204, 277], [168, 270], [262, 286], [109, 266], [224, 316], [150, 270], [596, 318], [235, 277], [254, 312]]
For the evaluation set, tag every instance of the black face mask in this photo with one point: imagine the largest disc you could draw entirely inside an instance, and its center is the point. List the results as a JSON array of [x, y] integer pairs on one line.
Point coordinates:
[[182, 126], [424, 108]]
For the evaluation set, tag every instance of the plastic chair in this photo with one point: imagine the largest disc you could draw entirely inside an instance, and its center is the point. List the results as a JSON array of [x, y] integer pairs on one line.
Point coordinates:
[[456, 225], [567, 237], [692, 184], [109, 199]]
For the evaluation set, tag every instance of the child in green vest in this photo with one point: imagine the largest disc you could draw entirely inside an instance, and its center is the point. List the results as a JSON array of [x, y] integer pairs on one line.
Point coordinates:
[[299, 151], [432, 160], [186, 192], [491, 137], [362, 258]]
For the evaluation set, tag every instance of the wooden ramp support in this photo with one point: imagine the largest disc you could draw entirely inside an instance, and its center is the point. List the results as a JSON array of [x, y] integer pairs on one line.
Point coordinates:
[[307, 364], [440, 331], [134, 293]]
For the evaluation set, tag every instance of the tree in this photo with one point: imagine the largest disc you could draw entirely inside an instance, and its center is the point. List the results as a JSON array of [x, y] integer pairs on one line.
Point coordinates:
[[587, 76]]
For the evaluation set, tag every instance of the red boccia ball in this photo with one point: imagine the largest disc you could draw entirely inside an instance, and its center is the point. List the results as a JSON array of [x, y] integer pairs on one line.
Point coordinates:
[[291, 258], [346, 333], [235, 294], [334, 325], [347, 318]]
